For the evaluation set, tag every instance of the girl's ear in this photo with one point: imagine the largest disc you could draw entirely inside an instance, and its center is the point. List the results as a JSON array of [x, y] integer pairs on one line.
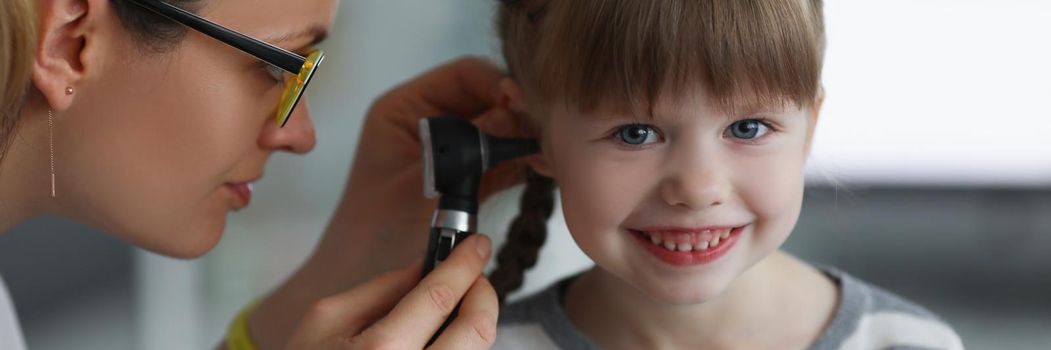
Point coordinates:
[[514, 100], [815, 113], [541, 164]]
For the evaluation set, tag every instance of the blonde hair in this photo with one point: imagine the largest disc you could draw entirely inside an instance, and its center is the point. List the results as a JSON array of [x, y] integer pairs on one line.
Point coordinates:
[[17, 45], [627, 54]]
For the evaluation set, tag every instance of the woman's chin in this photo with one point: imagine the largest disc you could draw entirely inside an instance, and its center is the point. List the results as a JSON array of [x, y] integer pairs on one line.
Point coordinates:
[[183, 241]]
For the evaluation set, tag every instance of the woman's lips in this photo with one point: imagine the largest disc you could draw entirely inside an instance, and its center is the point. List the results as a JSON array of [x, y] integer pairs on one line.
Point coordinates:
[[682, 248], [243, 190]]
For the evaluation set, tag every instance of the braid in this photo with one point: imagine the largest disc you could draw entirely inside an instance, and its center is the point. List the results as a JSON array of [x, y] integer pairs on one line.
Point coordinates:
[[526, 235]]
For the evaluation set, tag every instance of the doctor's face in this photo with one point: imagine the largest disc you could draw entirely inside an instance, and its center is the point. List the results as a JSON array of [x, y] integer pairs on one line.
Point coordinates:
[[158, 147]]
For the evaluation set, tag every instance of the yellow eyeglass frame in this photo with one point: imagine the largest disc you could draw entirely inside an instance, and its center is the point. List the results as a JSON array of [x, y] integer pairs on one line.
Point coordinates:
[[297, 85]]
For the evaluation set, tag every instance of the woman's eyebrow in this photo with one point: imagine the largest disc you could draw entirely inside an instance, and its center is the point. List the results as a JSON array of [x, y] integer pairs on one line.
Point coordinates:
[[316, 33]]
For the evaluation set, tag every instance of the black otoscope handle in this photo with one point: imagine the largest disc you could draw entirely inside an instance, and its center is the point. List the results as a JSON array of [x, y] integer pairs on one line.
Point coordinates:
[[441, 243]]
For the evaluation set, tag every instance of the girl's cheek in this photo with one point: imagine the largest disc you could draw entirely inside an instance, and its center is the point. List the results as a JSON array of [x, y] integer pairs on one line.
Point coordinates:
[[774, 200], [597, 192]]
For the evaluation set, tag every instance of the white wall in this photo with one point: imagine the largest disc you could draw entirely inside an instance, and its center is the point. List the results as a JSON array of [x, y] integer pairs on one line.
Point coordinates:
[[937, 92]]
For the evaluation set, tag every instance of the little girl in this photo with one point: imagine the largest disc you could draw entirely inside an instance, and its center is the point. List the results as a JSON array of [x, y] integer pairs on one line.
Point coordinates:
[[677, 132]]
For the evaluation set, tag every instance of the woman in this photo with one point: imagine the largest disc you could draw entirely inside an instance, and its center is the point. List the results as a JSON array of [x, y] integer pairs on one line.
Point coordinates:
[[121, 118]]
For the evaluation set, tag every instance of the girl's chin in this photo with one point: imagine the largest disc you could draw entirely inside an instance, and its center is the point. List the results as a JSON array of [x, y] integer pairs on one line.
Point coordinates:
[[694, 292]]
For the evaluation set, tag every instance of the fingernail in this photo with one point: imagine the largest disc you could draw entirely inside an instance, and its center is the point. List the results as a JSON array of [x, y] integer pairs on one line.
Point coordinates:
[[482, 245]]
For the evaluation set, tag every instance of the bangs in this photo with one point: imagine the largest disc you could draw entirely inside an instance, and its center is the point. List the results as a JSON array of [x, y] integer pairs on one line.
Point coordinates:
[[629, 54]]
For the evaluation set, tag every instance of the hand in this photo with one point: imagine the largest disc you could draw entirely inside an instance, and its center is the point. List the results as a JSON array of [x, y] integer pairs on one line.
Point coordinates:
[[388, 313], [383, 212], [383, 219]]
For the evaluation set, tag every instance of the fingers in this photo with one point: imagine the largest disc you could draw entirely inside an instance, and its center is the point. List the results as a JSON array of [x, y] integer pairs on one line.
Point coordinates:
[[419, 314], [345, 314], [475, 326], [466, 87], [500, 122]]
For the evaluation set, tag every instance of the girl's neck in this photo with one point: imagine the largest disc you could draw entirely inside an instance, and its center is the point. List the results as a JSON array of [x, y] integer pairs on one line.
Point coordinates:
[[779, 303]]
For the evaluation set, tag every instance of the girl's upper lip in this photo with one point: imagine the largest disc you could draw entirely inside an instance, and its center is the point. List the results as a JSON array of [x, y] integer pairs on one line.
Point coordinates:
[[686, 229]]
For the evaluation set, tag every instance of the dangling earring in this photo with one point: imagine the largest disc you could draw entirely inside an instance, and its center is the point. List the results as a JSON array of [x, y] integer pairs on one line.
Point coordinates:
[[51, 147], [51, 141]]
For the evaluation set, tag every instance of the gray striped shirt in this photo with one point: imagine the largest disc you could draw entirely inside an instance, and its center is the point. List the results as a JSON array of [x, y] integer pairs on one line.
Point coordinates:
[[867, 317]]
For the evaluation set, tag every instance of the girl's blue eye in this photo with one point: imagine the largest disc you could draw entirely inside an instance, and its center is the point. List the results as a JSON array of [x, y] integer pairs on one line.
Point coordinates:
[[748, 129], [275, 73], [637, 134]]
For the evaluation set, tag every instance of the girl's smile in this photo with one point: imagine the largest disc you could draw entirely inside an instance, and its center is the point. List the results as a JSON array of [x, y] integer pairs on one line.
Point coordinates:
[[688, 247]]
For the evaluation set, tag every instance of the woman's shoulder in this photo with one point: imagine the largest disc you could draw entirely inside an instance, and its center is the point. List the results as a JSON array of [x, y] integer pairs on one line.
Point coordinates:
[[870, 317], [10, 332]]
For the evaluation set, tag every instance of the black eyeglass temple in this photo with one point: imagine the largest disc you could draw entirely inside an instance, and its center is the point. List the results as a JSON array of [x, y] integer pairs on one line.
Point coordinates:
[[276, 56]]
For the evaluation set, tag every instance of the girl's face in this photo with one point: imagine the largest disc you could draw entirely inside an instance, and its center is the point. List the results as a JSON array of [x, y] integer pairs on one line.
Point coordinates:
[[155, 148], [680, 205]]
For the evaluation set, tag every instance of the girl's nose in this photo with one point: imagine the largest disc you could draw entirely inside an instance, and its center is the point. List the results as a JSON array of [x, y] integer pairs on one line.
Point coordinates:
[[695, 181], [297, 136]]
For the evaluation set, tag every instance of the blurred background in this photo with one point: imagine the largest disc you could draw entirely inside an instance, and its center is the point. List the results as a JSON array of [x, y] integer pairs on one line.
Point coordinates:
[[930, 176]]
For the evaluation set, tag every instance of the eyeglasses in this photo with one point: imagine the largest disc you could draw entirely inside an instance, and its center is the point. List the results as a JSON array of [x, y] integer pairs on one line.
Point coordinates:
[[301, 68]]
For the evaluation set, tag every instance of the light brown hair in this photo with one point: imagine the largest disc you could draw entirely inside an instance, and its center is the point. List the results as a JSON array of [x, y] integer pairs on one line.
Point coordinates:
[[628, 54], [17, 43]]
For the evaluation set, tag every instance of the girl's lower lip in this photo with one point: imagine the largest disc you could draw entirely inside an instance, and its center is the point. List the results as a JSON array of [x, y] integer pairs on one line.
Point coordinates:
[[690, 258], [243, 190]]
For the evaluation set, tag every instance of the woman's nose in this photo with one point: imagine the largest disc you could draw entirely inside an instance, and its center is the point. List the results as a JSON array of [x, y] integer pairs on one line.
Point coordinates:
[[297, 136], [695, 181]]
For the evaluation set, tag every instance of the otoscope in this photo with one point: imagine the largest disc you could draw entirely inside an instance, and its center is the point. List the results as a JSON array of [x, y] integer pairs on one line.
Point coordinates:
[[455, 155]]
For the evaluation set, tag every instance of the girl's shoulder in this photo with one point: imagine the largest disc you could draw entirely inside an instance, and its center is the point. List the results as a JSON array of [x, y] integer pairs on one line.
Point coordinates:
[[539, 322], [870, 317]]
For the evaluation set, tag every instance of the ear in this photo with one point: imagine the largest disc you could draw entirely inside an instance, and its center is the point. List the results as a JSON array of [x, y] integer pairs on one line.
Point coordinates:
[[514, 100], [65, 30], [815, 113], [513, 97]]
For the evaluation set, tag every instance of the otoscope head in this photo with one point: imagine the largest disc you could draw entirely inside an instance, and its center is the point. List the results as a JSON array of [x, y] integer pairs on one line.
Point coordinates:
[[456, 153]]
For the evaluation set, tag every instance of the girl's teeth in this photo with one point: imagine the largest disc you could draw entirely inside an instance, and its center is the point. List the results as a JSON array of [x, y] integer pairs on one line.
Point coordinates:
[[657, 240], [669, 246]]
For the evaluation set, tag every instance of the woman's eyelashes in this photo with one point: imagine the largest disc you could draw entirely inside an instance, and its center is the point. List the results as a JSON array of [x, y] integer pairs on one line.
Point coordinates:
[[279, 75], [275, 73]]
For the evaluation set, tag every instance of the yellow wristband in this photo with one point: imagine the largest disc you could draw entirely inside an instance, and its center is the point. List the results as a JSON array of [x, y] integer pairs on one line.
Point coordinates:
[[237, 337]]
